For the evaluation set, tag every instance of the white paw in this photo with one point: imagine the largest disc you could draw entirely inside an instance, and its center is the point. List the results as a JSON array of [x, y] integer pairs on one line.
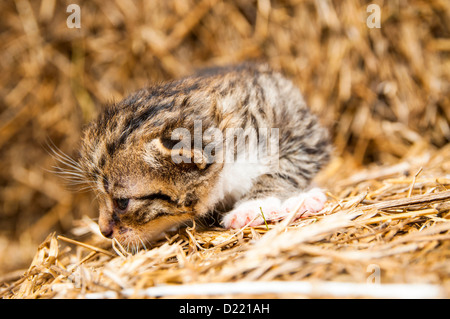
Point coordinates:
[[249, 213], [311, 202]]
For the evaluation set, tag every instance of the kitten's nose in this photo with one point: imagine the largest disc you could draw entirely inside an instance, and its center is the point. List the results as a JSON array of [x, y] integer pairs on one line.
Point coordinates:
[[107, 230]]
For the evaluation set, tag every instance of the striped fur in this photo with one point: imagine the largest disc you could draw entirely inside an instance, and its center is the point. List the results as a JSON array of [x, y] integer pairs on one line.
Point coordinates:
[[125, 152]]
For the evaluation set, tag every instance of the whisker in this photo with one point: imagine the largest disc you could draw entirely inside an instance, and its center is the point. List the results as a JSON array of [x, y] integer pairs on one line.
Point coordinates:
[[72, 173], [148, 243], [75, 168], [75, 180], [67, 161], [135, 247], [65, 169], [85, 189], [58, 153], [67, 173], [143, 245]]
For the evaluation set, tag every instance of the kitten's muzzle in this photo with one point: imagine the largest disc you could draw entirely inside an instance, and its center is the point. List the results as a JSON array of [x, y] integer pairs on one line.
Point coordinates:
[[107, 224], [109, 227], [107, 230]]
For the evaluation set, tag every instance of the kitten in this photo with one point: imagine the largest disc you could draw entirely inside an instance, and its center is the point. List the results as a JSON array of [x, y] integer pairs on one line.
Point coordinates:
[[236, 139]]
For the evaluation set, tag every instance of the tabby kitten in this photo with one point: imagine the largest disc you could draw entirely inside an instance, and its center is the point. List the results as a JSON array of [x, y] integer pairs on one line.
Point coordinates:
[[232, 139]]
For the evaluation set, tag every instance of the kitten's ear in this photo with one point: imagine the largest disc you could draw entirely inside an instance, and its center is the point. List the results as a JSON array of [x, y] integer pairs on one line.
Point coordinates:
[[180, 152]]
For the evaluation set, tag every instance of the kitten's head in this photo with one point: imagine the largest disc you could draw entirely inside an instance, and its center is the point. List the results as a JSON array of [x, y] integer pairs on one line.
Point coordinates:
[[127, 156]]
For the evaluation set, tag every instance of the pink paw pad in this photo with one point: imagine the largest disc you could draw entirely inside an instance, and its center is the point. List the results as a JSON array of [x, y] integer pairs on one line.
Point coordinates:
[[312, 202], [249, 213]]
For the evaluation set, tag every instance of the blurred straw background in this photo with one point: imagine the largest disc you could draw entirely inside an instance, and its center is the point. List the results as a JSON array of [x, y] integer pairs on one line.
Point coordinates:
[[384, 93]]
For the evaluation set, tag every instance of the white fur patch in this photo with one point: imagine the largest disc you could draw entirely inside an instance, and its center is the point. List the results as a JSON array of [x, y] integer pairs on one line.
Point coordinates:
[[235, 180]]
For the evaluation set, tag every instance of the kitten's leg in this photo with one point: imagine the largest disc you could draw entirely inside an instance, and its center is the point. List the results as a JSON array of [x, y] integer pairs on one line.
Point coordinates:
[[277, 198]]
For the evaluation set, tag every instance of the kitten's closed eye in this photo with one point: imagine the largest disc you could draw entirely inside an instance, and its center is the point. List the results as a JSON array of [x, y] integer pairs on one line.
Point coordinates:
[[121, 204], [159, 196]]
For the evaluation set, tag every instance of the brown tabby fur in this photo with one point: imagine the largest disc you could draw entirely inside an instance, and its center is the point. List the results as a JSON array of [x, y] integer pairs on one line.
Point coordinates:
[[125, 153]]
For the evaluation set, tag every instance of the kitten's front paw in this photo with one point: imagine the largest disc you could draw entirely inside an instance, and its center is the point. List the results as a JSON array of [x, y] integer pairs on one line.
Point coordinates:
[[250, 212], [312, 202]]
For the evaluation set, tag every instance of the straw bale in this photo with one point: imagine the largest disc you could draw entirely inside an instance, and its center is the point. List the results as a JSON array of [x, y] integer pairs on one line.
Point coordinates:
[[383, 93], [397, 227]]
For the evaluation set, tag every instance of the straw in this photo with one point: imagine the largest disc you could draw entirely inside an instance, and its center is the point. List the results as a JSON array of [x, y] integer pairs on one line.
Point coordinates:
[[383, 93]]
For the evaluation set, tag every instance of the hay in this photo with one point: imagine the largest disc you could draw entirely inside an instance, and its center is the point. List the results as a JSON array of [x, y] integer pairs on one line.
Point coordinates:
[[383, 93], [383, 237]]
